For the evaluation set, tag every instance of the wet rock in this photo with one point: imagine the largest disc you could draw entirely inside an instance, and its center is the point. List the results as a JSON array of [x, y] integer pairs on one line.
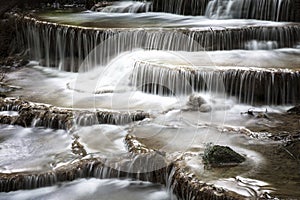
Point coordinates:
[[218, 156], [282, 127], [196, 100], [84, 168], [197, 103], [78, 148], [13, 62], [256, 114], [43, 115], [184, 185], [295, 110], [181, 183], [5, 88], [100, 5], [205, 108], [134, 146]]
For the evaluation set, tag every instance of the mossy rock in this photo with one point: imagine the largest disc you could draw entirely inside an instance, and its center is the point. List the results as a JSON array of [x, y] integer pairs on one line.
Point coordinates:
[[220, 156]]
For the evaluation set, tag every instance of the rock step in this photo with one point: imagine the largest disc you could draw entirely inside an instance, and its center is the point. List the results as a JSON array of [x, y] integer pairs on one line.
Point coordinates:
[[67, 46], [248, 85], [86, 168], [179, 181], [34, 114], [238, 9]]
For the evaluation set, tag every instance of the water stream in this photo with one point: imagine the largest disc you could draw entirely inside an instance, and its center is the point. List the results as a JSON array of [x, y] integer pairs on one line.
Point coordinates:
[[145, 56]]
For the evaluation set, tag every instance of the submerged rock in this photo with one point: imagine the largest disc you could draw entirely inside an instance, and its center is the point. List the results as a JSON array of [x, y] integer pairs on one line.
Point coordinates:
[[218, 156]]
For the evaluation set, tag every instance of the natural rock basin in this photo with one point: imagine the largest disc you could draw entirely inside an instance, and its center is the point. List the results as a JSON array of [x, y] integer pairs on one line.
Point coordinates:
[[137, 97], [175, 131]]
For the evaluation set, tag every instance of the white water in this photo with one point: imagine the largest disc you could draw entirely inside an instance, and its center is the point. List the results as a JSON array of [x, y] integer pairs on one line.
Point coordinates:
[[275, 10], [173, 126], [127, 7], [33, 149], [113, 83], [94, 189]]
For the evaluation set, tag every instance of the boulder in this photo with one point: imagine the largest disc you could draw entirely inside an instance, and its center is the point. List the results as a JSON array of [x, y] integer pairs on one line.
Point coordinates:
[[205, 108], [220, 156], [195, 101]]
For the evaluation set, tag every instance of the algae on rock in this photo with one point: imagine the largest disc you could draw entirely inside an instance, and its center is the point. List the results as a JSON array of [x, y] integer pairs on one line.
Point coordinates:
[[218, 156]]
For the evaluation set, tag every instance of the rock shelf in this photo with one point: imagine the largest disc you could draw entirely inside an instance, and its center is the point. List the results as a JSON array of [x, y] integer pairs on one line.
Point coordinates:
[[34, 114]]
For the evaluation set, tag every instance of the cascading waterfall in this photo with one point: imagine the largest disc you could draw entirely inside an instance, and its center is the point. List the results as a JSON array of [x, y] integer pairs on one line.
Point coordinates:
[[249, 86], [67, 46], [81, 49], [38, 115], [128, 7], [185, 7], [275, 10], [87, 168], [174, 81]]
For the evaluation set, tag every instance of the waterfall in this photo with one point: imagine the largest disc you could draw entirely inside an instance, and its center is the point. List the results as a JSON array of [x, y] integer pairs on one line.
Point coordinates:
[[162, 80], [127, 7], [248, 86], [67, 46], [42, 115], [275, 10], [185, 7], [87, 168]]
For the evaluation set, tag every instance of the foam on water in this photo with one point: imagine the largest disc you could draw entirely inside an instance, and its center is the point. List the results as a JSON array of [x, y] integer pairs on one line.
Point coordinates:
[[176, 46], [127, 7], [33, 149], [102, 139]]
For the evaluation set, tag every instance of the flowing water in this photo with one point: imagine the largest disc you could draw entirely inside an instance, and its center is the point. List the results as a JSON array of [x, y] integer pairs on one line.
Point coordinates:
[[95, 189], [128, 57]]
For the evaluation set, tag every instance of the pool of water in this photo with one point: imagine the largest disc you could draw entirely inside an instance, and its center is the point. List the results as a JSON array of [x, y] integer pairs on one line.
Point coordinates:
[[146, 20], [33, 149], [95, 189], [173, 128]]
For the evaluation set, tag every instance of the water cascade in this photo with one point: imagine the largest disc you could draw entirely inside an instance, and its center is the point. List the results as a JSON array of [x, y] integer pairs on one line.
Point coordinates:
[[127, 7], [40, 115], [82, 169], [249, 86], [66, 47], [275, 10], [138, 91], [190, 7]]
